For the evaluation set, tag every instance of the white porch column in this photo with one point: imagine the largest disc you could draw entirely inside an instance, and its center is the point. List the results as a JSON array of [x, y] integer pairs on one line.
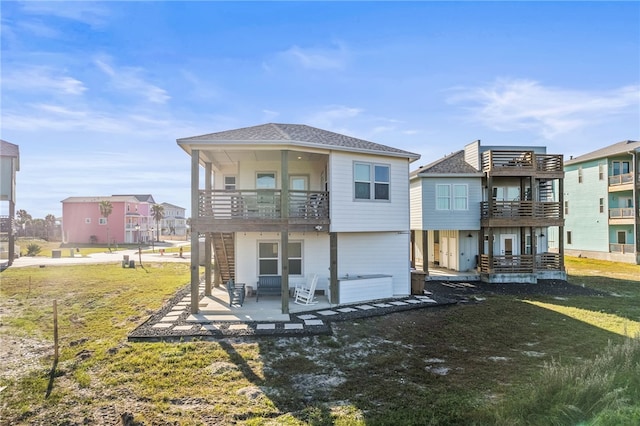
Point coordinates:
[[207, 237], [195, 249]]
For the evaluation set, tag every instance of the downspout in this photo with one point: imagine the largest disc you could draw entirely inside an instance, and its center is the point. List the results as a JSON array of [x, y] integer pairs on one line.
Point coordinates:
[[636, 210]]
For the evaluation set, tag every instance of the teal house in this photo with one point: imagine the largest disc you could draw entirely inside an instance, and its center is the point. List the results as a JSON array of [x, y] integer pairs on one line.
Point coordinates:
[[601, 204]]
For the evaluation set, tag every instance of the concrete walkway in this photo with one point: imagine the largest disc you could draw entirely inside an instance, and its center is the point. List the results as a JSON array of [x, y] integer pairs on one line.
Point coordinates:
[[106, 257]]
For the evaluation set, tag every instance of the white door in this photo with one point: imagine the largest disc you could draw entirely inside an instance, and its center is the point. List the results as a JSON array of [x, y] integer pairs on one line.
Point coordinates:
[[453, 253], [508, 246], [444, 252]]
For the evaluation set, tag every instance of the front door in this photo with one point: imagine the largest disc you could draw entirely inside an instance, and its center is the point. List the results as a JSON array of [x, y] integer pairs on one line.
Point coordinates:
[[508, 245]]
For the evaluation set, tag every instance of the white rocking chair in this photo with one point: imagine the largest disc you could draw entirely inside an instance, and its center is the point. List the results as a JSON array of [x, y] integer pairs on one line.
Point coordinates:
[[304, 294]]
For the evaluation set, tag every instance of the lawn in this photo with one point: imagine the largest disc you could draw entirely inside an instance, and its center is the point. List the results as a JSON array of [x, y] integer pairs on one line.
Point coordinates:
[[505, 360]]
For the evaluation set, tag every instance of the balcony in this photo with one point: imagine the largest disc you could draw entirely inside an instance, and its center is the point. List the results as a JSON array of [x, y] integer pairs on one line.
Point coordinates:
[[521, 213], [520, 264], [623, 182], [622, 248], [622, 216], [260, 210], [522, 163]]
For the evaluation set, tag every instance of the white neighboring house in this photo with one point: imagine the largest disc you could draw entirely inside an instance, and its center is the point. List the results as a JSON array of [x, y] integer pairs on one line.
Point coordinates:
[[174, 221], [489, 209], [293, 200]]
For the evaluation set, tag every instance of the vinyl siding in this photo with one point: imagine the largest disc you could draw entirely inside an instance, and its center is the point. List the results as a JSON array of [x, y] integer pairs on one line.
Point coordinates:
[[349, 215], [451, 219], [588, 227], [376, 253], [415, 203]]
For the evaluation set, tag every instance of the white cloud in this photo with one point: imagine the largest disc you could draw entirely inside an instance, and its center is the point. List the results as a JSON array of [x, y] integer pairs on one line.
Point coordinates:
[[128, 80], [90, 13], [38, 79], [316, 58], [511, 105]]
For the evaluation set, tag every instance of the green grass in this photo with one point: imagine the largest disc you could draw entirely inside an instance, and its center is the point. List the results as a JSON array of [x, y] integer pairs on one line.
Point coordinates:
[[506, 360]]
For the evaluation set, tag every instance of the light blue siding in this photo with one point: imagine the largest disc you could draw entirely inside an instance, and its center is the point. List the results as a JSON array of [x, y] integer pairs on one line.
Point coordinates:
[[451, 219]]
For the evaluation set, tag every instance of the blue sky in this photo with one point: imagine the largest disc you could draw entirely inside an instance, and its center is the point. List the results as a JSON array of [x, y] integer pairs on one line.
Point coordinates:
[[96, 94]]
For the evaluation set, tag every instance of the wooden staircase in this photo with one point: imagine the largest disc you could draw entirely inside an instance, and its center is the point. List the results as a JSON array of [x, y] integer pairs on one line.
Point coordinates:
[[224, 253]]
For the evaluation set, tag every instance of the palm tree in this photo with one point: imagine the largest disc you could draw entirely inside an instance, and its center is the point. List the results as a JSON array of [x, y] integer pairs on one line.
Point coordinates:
[[50, 225], [23, 219], [157, 212], [105, 210]]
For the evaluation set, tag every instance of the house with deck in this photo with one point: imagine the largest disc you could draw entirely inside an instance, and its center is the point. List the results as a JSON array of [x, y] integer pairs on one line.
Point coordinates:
[[290, 201], [174, 220], [130, 221], [601, 203], [9, 165], [489, 210]]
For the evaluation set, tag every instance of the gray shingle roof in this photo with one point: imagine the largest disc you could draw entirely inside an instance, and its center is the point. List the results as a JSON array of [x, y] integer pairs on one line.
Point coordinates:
[[7, 149], [451, 164], [299, 134], [608, 151]]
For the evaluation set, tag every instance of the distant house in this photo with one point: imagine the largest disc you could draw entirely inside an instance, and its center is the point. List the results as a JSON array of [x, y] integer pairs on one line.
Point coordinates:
[[291, 201], [601, 203], [130, 221], [489, 209], [174, 221], [9, 165]]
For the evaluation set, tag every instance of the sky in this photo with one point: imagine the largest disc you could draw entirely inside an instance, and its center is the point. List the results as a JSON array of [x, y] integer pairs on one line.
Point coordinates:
[[96, 93]]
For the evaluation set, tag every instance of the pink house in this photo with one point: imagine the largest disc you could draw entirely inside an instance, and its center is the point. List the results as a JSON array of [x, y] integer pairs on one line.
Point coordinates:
[[130, 221]]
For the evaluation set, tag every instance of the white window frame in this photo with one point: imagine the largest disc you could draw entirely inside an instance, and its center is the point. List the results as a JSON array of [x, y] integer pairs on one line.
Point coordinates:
[[275, 180], [443, 201], [456, 198], [102, 221], [372, 181], [447, 197], [228, 186], [87, 220], [301, 258], [277, 258]]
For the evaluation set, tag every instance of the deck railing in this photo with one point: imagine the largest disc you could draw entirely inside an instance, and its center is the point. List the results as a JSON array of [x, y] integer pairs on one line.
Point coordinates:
[[622, 213], [622, 248], [262, 204], [515, 264], [521, 161], [520, 209], [621, 179]]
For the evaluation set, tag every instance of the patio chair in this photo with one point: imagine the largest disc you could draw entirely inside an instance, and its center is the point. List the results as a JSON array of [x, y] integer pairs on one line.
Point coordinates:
[[236, 293], [305, 294]]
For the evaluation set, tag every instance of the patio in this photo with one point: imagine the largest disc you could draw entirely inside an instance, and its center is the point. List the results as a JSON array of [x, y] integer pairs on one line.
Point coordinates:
[[268, 308]]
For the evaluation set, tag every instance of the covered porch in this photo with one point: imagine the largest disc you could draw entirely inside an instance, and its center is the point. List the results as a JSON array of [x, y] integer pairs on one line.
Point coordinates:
[[269, 308]]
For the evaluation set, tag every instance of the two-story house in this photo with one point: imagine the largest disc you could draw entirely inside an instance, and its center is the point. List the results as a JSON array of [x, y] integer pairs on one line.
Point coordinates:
[[292, 200], [174, 221], [489, 209], [601, 203], [9, 165], [130, 221]]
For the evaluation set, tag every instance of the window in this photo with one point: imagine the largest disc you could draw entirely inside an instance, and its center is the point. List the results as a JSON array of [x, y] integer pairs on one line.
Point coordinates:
[[527, 244], [600, 171], [580, 174], [371, 181], [601, 205], [267, 258], [102, 221], [452, 197], [621, 168], [87, 220], [443, 197], [568, 237], [460, 197], [295, 258], [566, 207], [230, 183], [265, 180]]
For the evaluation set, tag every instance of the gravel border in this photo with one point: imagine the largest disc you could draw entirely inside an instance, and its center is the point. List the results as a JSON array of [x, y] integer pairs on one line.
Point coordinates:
[[443, 292]]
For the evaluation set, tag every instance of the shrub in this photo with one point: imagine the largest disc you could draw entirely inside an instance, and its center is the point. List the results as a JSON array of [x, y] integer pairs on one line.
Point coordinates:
[[33, 249]]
